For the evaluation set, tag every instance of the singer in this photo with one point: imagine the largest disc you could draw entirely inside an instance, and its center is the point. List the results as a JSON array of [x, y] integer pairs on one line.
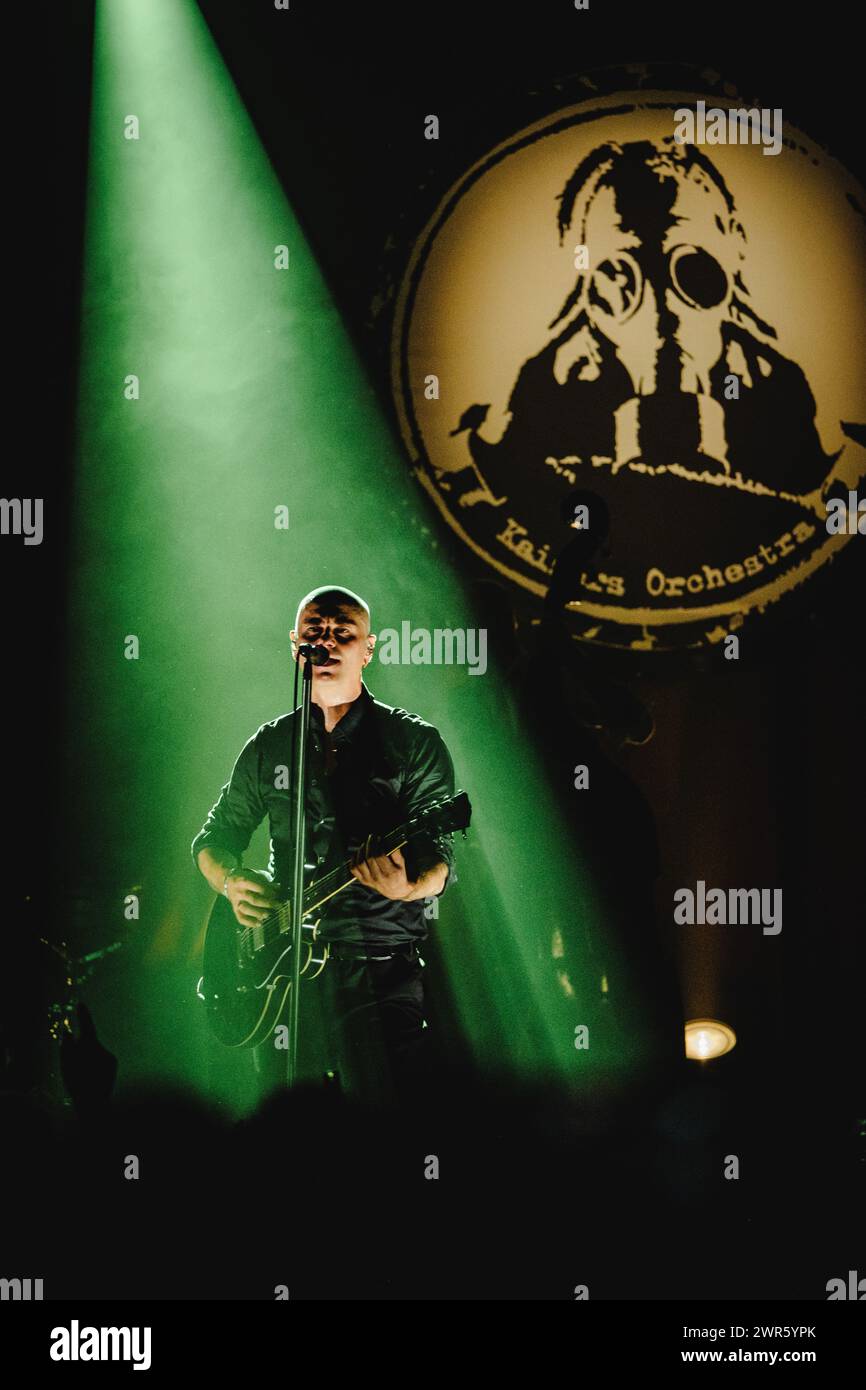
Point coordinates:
[[370, 766]]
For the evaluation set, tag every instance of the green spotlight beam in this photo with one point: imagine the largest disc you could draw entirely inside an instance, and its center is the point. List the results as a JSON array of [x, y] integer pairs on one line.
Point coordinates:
[[250, 399]]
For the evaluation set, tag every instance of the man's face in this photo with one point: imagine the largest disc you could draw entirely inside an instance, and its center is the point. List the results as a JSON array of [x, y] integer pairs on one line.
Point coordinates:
[[664, 286], [345, 632]]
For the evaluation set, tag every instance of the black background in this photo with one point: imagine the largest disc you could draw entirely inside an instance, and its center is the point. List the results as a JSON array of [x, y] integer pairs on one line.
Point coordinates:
[[338, 95]]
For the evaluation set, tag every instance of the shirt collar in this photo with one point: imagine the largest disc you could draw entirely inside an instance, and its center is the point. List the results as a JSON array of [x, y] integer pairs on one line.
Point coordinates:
[[350, 721]]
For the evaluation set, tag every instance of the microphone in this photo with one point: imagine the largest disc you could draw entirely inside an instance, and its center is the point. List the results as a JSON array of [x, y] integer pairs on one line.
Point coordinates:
[[317, 656]]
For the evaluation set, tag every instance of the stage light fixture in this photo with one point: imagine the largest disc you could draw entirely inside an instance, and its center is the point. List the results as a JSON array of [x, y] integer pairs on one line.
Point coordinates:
[[707, 1038]]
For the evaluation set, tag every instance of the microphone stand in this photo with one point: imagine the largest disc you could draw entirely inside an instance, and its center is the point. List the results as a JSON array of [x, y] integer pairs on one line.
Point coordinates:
[[297, 899]]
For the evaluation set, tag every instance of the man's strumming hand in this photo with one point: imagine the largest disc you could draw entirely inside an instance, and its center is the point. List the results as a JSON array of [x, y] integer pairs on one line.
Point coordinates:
[[251, 895]]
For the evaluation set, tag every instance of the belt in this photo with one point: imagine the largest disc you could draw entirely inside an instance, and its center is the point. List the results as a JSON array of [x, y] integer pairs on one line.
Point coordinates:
[[344, 951]]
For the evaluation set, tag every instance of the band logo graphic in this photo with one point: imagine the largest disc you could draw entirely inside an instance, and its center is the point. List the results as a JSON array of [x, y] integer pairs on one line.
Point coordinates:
[[675, 327]]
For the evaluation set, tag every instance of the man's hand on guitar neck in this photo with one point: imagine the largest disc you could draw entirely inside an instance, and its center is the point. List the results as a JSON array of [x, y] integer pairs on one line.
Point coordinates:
[[386, 874]]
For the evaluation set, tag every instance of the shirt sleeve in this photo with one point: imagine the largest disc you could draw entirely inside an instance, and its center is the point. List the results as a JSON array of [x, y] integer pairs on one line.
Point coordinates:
[[239, 809], [429, 777]]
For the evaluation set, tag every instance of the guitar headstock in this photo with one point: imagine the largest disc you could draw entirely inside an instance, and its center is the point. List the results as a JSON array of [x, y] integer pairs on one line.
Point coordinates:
[[443, 817]]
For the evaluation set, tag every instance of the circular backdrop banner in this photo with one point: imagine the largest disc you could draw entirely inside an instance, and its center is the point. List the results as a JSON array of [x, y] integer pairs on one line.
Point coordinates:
[[658, 298]]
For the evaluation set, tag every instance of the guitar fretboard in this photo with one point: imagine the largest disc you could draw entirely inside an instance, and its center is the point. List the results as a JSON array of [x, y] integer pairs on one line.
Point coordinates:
[[439, 818], [317, 894]]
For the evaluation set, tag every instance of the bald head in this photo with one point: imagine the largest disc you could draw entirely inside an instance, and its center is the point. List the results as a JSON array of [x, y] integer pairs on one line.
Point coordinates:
[[332, 602], [339, 620]]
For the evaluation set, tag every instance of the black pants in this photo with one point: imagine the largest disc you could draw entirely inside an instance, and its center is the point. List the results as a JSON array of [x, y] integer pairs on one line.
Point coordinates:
[[364, 1021]]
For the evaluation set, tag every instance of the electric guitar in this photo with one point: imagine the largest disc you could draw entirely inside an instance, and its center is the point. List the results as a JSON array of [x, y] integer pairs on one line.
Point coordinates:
[[247, 970]]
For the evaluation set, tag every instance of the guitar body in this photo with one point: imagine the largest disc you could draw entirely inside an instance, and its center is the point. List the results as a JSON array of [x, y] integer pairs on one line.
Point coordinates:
[[245, 992], [248, 970]]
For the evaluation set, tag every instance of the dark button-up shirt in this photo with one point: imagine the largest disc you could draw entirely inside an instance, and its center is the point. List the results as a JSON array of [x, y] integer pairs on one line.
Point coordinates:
[[376, 768]]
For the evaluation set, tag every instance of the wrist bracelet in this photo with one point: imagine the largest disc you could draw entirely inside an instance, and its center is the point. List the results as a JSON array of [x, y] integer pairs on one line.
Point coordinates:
[[235, 870]]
